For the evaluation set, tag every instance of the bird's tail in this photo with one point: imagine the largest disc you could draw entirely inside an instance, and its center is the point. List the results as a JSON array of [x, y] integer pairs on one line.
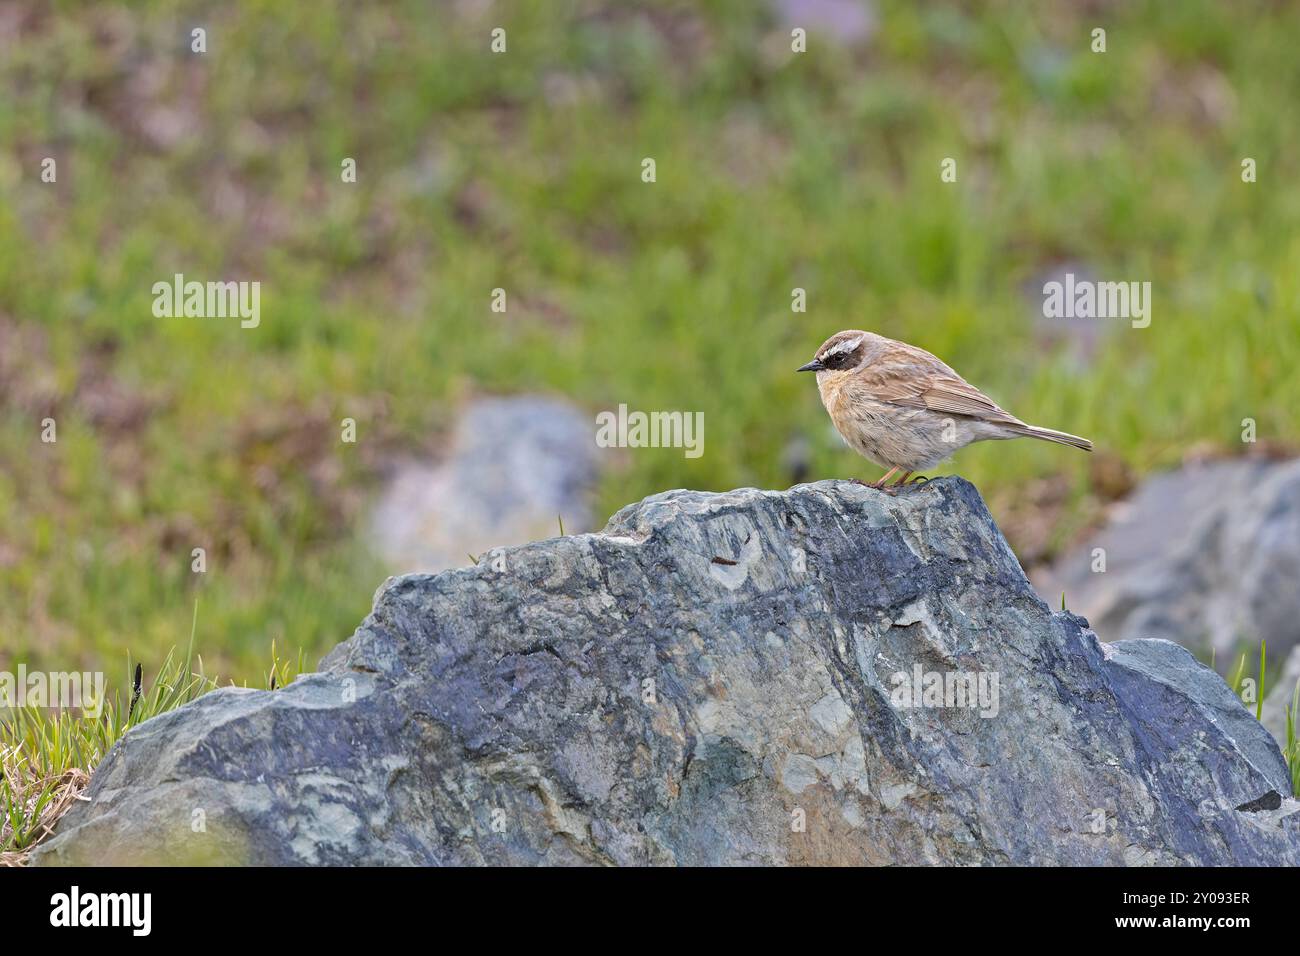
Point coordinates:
[[1062, 438]]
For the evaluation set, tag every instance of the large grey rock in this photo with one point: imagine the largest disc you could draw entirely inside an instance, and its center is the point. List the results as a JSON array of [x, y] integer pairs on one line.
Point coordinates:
[[513, 469], [1207, 556], [714, 679]]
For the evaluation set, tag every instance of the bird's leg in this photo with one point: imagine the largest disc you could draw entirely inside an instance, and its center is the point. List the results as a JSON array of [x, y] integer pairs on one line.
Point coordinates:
[[903, 479], [881, 482]]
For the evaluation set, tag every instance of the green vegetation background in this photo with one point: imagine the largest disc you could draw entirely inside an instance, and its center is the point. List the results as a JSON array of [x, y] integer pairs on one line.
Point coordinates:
[[522, 171]]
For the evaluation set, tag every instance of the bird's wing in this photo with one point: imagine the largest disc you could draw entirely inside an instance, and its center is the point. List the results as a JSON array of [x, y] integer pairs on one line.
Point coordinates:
[[956, 396], [922, 381]]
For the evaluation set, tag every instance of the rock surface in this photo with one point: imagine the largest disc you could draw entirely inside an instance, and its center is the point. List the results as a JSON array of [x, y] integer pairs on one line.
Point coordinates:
[[513, 468], [1207, 556], [713, 679]]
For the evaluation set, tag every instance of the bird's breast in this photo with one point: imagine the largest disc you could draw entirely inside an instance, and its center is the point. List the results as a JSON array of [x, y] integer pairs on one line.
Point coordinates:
[[884, 433]]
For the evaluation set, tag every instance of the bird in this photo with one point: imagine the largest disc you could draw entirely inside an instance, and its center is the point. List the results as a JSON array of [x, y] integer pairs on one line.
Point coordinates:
[[899, 406]]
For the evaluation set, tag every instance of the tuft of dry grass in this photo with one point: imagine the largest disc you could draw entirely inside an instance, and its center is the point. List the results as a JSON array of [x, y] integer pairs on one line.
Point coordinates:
[[35, 803], [47, 755]]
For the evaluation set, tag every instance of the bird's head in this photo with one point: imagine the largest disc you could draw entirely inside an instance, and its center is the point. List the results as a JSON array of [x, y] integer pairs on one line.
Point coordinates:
[[841, 354]]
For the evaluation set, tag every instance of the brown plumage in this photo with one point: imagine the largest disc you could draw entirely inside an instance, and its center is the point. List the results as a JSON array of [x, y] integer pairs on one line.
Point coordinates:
[[899, 406]]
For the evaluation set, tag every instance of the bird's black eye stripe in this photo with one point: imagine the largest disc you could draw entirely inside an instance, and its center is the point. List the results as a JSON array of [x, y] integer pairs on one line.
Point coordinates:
[[837, 360]]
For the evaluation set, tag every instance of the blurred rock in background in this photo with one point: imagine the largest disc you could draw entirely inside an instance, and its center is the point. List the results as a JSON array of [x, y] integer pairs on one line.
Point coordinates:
[[514, 468], [847, 21], [1208, 556], [1079, 338]]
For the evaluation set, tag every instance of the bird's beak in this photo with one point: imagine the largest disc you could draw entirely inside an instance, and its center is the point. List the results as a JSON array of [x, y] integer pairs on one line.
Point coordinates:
[[813, 366]]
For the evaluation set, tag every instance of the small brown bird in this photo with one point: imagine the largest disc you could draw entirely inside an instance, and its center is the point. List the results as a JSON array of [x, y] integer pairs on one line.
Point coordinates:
[[901, 407]]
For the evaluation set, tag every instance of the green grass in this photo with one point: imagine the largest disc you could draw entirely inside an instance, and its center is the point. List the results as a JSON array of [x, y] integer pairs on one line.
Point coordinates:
[[1236, 679], [1238, 683], [522, 171], [1292, 752], [46, 755]]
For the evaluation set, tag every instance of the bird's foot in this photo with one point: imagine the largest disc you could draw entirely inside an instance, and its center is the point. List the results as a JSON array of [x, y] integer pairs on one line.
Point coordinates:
[[880, 485]]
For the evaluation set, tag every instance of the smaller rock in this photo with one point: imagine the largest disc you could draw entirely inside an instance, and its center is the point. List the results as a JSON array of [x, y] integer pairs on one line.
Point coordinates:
[[514, 469], [1207, 556], [1081, 338], [847, 21], [1172, 666]]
